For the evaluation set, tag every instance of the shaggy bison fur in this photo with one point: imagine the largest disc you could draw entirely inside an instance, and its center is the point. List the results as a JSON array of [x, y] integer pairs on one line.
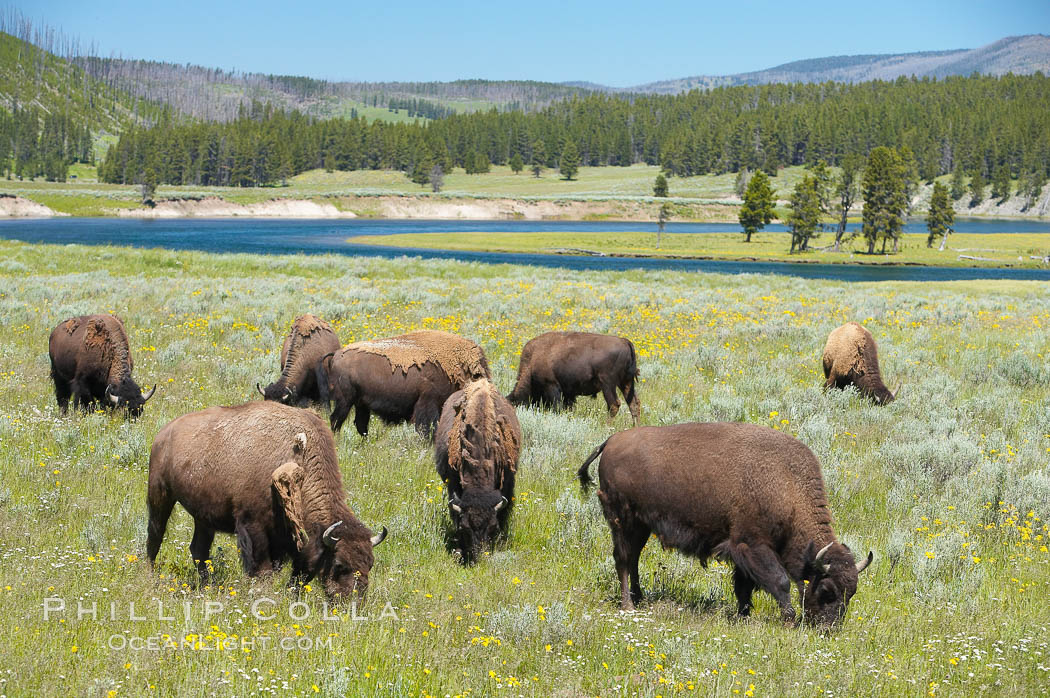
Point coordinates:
[[476, 450], [309, 339], [851, 358], [739, 492]]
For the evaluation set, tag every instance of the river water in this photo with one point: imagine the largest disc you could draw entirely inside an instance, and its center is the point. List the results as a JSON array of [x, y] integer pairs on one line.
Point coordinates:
[[293, 236]]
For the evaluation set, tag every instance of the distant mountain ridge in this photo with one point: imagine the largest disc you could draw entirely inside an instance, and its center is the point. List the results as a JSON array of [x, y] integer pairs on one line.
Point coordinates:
[[1017, 54]]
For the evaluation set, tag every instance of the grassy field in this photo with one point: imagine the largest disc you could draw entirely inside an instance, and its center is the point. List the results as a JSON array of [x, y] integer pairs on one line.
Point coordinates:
[[948, 485], [995, 250]]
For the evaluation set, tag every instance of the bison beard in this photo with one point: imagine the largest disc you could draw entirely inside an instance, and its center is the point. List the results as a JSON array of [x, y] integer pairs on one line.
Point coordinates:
[[739, 492], [558, 367], [268, 474]]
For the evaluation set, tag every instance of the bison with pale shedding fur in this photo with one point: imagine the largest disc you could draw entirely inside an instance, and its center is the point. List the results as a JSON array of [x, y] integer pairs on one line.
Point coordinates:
[[740, 492], [91, 362], [268, 474], [476, 450], [851, 358]]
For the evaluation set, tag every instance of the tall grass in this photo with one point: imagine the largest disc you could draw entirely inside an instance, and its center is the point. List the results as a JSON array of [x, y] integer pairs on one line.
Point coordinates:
[[948, 486]]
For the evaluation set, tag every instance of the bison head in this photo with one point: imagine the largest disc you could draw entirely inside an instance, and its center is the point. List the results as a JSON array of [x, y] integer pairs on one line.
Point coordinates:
[[128, 395], [476, 517], [340, 554], [830, 581], [277, 392]]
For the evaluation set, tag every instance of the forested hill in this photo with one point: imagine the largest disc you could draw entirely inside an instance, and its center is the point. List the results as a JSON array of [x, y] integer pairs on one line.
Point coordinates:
[[217, 95], [1021, 55], [52, 113], [977, 124]]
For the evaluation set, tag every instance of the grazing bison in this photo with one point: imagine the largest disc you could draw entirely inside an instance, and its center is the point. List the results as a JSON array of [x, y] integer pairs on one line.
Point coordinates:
[[476, 450], [740, 492], [850, 358], [404, 378], [91, 360], [267, 473], [558, 367], [309, 339]]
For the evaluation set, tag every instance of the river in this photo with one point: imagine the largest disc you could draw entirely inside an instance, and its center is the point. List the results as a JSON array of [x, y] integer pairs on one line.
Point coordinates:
[[292, 236]]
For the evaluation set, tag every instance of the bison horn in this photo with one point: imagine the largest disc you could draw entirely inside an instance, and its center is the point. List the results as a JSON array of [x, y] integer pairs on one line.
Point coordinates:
[[378, 538], [894, 393], [328, 538], [820, 554], [861, 566], [147, 396], [260, 390], [454, 503], [287, 395], [112, 398], [502, 503]]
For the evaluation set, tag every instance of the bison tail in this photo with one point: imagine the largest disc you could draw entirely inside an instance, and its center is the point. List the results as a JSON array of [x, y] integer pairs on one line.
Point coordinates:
[[582, 474], [321, 371], [632, 366]]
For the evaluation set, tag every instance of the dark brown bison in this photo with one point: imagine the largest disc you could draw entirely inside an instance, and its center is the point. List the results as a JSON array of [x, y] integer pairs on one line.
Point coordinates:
[[741, 492], [91, 361], [851, 358], [400, 379], [309, 339], [558, 367], [267, 473], [476, 450]]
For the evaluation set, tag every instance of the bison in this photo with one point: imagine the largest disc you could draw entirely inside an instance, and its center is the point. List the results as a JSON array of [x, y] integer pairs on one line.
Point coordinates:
[[91, 361], [558, 367], [476, 450], [309, 339], [851, 358], [740, 492], [404, 378], [267, 473]]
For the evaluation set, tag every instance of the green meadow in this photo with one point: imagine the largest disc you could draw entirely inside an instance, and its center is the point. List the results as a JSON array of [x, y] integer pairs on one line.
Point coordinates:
[[949, 487], [984, 249]]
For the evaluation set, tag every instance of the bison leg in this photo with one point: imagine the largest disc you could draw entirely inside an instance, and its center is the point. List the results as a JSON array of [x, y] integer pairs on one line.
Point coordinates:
[[361, 416], [200, 548], [62, 393], [763, 566], [82, 398], [254, 549], [551, 396], [611, 401], [631, 397], [743, 587], [338, 416], [627, 548], [160, 503], [425, 415]]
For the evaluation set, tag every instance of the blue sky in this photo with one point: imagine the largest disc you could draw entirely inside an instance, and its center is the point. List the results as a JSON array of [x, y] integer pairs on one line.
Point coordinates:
[[614, 42]]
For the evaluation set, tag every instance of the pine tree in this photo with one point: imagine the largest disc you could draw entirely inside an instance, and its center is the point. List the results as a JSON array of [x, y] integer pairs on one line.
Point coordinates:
[[941, 215], [437, 178], [539, 157], [662, 216], [1001, 183], [757, 209], [885, 198], [570, 161], [977, 186], [516, 164], [847, 188], [660, 186], [741, 182], [958, 182], [805, 212]]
